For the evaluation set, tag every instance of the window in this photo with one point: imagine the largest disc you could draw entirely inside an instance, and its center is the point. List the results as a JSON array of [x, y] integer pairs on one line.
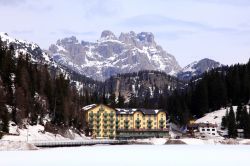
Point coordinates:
[[161, 115], [213, 129], [213, 133], [203, 130], [137, 115], [143, 123], [208, 129], [155, 123], [143, 117]]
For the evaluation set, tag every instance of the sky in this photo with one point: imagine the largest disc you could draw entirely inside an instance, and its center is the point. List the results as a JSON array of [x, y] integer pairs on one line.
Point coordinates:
[[188, 29]]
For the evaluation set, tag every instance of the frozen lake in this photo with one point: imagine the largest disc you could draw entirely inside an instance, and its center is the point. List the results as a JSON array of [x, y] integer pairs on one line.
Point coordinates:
[[131, 155]]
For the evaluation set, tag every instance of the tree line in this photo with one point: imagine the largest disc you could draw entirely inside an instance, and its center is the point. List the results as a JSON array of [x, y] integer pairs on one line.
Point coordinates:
[[29, 92]]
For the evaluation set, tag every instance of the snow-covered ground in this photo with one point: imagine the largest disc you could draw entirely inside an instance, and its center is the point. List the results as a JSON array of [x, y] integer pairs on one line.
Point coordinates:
[[132, 155], [216, 116], [36, 133], [16, 145], [153, 141]]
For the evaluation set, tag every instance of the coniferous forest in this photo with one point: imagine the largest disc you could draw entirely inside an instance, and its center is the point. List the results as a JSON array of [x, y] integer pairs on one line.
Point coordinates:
[[30, 92], [221, 87]]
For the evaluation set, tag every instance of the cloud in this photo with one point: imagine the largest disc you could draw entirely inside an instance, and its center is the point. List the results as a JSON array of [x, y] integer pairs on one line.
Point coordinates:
[[156, 21], [11, 2], [103, 8], [241, 3], [22, 32]]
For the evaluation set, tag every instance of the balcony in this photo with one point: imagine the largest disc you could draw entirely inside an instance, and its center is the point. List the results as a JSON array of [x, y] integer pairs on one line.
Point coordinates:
[[126, 126], [149, 126], [98, 115], [91, 120], [105, 125], [105, 120], [111, 120], [161, 126], [162, 121], [137, 126], [98, 120], [111, 114], [105, 115], [91, 114], [98, 125], [111, 131], [138, 121], [111, 125], [126, 121], [91, 125], [149, 121]]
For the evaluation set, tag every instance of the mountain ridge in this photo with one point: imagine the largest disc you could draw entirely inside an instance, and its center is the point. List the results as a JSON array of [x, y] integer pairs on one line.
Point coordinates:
[[111, 55], [197, 68]]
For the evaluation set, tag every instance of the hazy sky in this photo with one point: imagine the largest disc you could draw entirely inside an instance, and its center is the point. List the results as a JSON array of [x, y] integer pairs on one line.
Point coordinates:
[[188, 29]]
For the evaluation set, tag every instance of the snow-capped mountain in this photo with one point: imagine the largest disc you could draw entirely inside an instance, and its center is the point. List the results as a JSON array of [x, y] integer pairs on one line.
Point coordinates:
[[25, 47], [39, 56], [197, 68], [110, 55]]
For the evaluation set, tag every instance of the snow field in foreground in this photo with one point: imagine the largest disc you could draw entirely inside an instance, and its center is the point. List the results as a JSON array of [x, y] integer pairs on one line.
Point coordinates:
[[132, 155]]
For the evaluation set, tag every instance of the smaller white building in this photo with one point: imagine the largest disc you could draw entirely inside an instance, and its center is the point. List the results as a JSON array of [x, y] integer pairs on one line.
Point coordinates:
[[208, 129]]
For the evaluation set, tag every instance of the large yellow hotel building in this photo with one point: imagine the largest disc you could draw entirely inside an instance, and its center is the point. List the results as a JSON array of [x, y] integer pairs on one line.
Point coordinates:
[[106, 122]]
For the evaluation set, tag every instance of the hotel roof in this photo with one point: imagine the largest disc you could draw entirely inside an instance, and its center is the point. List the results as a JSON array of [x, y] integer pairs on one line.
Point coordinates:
[[128, 111]]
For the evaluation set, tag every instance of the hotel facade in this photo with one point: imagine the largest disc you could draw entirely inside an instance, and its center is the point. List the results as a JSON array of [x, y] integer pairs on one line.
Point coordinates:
[[106, 122]]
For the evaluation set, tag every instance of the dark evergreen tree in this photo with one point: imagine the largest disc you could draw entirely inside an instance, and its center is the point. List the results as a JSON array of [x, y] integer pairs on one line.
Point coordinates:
[[232, 132], [121, 101]]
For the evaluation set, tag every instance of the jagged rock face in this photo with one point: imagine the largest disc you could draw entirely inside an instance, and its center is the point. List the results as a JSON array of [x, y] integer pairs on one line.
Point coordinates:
[[130, 52], [196, 69], [140, 83]]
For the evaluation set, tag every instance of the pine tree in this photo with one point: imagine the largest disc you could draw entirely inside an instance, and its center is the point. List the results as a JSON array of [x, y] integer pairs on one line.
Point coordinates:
[[121, 101], [239, 117], [245, 122], [112, 100], [232, 132]]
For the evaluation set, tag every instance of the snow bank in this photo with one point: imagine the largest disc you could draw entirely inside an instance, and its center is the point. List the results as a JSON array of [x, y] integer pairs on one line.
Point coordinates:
[[16, 145], [36, 133], [153, 141]]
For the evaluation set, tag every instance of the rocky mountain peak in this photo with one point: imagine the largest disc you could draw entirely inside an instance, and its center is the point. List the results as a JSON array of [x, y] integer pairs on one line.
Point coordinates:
[[146, 37], [108, 35], [197, 68], [110, 56], [67, 41]]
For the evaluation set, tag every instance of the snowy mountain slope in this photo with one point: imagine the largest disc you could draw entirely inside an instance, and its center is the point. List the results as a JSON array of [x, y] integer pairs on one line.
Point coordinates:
[[111, 55], [216, 116], [39, 56], [25, 47], [197, 68]]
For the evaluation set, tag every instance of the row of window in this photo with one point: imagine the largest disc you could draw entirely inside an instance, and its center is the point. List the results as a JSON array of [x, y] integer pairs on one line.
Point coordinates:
[[208, 129], [143, 123]]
